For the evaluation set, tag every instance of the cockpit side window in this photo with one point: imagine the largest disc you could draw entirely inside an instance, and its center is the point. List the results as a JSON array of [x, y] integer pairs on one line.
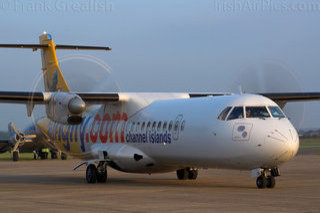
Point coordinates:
[[224, 113], [276, 112], [257, 112], [237, 113]]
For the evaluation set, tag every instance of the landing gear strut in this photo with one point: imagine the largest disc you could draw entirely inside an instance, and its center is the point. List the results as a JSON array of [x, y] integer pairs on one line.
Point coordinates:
[[267, 181], [187, 173], [102, 172], [97, 174]]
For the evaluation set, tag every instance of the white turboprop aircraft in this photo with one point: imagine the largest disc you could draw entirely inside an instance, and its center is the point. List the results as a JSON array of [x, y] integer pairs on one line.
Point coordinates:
[[161, 132]]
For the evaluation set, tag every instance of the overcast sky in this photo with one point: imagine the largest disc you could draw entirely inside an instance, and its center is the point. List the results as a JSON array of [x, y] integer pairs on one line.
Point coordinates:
[[164, 46]]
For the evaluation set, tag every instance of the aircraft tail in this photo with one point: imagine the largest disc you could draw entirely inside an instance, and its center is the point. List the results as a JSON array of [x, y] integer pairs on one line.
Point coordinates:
[[52, 75]]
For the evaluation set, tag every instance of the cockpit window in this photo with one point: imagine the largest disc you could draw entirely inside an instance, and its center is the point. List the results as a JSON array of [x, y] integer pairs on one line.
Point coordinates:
[[257, 112], [224, 113], [276, 112], [236, 113]]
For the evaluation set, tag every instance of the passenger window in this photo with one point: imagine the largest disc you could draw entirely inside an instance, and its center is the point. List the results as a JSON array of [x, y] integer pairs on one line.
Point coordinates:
[[170, 126], [148, 126], [276, 112], [142, 126], [237, 113], [138, 125], [257, 112], [159, 126], [165, 126], [224, 113], [154, 126]]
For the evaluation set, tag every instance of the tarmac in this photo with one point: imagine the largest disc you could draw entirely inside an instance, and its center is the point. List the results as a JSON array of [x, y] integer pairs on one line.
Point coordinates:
[[52, 186]]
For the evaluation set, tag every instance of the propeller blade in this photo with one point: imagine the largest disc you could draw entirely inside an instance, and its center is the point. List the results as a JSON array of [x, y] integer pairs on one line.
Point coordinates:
[[15, 129], [272, 76], [30, 136], [16, 146]]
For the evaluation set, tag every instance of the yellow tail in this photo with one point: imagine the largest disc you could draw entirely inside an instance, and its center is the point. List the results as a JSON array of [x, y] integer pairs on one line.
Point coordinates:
[[52, 75]]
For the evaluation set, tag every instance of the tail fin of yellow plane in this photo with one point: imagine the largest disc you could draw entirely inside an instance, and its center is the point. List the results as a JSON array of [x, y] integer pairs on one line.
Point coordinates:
[[52, 75]]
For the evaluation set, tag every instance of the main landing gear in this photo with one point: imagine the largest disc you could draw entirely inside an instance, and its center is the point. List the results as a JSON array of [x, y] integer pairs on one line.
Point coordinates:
[[97, 174], [187, 173], [266, 180]]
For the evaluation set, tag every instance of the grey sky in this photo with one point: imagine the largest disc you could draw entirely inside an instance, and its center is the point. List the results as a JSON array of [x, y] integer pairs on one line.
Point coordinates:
[[163, 46]]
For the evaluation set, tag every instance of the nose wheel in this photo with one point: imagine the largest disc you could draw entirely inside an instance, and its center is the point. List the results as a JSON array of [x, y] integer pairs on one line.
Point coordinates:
[[267, 181]]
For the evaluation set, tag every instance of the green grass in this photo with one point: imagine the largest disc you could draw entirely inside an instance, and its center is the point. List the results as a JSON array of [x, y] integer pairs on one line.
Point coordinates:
[[23, 156], [309, 143]]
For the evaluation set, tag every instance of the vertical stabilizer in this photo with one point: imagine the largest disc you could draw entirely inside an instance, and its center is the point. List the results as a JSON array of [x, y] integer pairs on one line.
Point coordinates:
[[52, 75]]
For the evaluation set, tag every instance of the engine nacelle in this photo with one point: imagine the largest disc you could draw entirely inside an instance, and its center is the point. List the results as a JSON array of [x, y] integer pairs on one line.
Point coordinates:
[[65, 108]]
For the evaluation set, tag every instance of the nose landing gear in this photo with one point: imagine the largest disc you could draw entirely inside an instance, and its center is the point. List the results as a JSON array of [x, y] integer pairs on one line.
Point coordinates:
[[267, 181]]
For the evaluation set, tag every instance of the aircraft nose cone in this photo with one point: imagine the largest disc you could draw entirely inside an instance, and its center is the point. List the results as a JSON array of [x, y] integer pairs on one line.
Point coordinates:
[[285, 142]]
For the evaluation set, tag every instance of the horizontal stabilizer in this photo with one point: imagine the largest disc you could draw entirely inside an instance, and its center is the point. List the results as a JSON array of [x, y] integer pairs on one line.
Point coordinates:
[[57, 46]]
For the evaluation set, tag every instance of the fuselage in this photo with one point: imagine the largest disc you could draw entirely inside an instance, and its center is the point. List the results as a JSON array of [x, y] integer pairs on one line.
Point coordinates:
[[149, 136]]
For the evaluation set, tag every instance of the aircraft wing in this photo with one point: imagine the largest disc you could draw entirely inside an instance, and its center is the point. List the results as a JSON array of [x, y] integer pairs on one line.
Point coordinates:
[[89, 97], [44, 97], [283, 98], [101, 97]]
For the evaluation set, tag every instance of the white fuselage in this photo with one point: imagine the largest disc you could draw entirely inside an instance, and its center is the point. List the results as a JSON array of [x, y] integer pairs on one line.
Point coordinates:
[[175, 132]]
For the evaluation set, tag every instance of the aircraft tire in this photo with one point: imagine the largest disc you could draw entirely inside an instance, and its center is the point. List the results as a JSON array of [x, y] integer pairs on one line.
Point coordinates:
[[54, 155], [271, 182], [63, 156], [261, 182], [15, 156], [91, 174], [182, 174], [193, 174]]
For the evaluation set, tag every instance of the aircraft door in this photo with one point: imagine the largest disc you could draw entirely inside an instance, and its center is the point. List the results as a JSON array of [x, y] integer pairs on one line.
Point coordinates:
[[176, 127]]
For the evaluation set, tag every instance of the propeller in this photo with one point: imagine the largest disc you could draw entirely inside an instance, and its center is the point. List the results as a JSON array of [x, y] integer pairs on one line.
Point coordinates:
[[272, 76], [20, 138], [83, 73]]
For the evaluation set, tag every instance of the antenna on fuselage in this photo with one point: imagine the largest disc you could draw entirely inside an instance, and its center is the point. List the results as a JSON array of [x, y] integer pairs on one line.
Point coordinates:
[[241, 89]]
